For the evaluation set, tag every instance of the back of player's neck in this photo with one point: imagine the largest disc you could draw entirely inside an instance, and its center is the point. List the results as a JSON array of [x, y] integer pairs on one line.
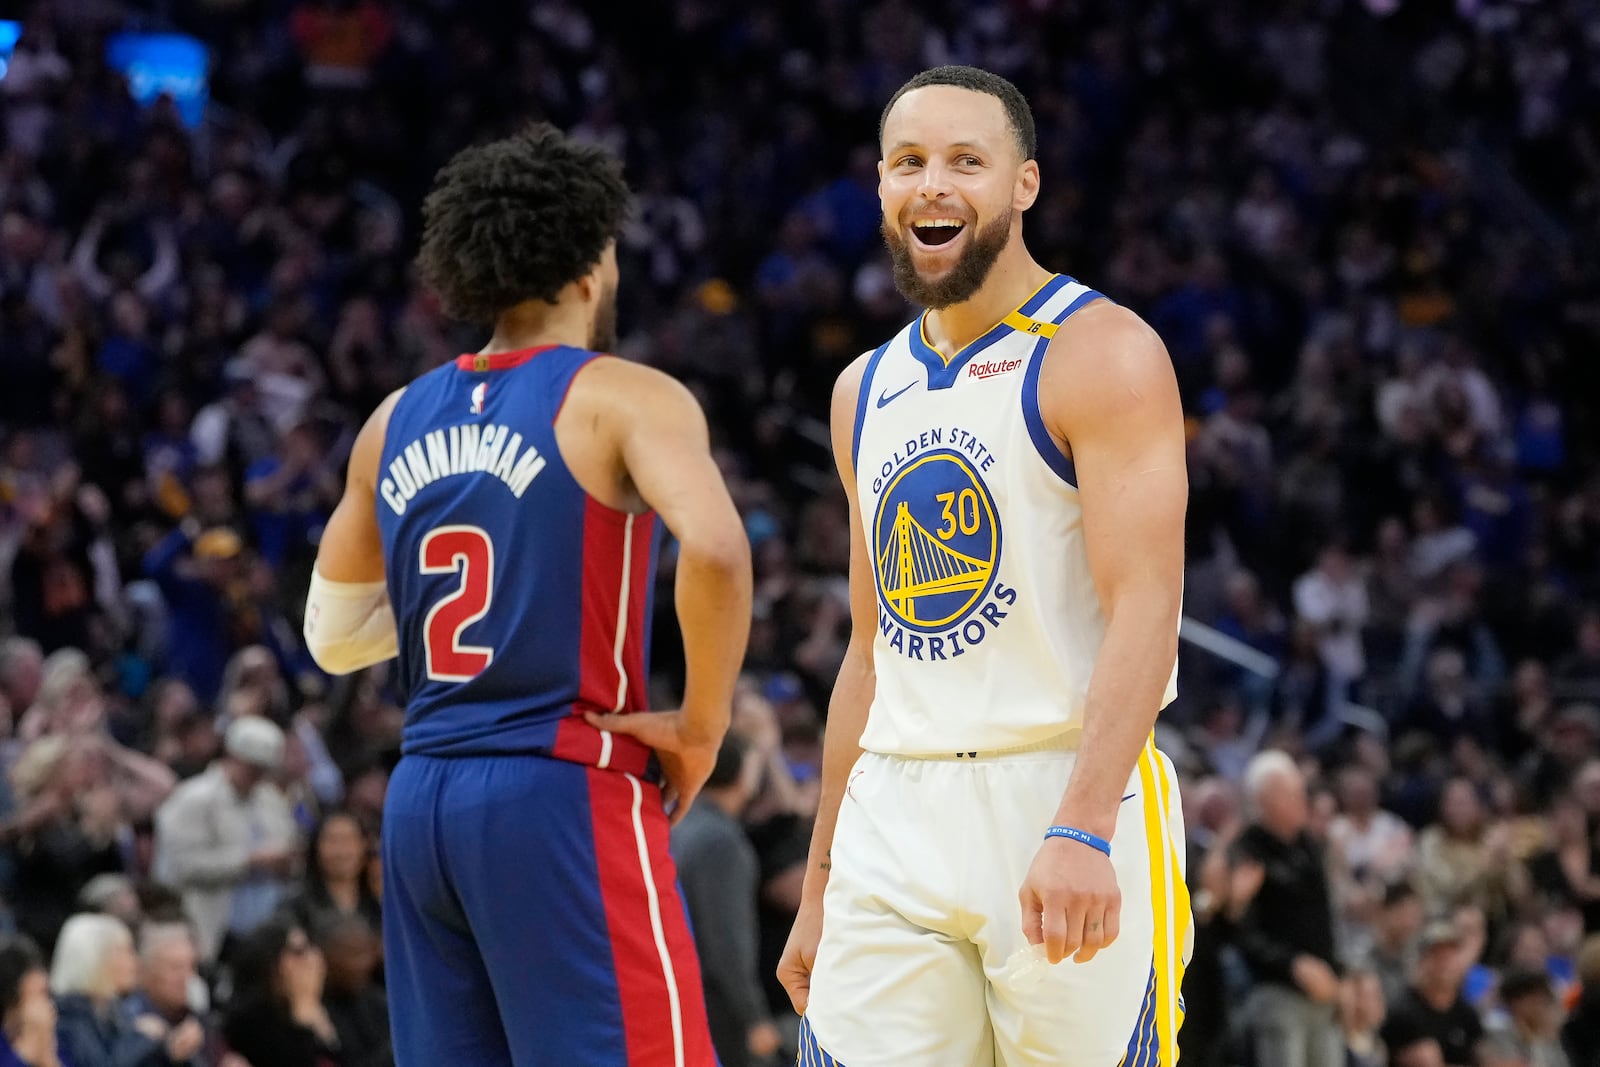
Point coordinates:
[[521, 340], [553, 324]]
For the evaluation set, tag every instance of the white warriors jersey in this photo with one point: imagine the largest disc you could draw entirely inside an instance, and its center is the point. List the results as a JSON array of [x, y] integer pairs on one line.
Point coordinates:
[[988, 621]]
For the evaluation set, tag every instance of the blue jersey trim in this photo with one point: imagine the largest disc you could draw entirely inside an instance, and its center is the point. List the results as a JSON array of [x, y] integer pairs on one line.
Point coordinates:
[[861, 401], [1043, 443], [942, 375]]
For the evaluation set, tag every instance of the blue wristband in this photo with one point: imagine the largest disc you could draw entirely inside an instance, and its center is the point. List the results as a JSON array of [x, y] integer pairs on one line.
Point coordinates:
[[1083, 837]]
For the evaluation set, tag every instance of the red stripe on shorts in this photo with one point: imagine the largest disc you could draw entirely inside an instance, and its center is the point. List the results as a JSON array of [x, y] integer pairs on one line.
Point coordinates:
[[642, 982]]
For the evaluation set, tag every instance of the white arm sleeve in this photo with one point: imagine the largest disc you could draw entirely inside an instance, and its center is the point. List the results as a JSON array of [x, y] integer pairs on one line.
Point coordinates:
[[349, 625]]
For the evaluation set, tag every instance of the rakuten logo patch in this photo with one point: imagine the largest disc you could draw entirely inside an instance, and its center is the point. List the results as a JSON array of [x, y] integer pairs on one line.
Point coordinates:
[[989, 368]]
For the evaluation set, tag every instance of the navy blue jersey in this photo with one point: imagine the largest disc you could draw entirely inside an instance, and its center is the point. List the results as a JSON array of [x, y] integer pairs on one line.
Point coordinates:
[[521, 600]]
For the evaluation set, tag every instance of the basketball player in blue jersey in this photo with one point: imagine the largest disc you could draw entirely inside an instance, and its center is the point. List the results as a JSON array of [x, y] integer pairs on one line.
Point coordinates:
[[498, 533], [1014, 462]]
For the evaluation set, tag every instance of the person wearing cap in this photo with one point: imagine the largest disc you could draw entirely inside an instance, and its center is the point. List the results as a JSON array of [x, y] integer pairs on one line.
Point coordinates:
[[227, 839], [1433, 1009], [1532, 1027]]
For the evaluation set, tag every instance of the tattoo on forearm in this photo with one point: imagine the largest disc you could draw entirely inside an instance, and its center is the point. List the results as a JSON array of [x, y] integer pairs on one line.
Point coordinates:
[[827, 860]]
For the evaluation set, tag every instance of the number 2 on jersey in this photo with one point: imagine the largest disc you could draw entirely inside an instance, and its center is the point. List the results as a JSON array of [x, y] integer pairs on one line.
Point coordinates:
[[468, 551]]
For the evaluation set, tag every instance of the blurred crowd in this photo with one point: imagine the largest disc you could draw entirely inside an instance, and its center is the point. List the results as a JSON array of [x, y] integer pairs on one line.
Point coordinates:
[[1364, 229]]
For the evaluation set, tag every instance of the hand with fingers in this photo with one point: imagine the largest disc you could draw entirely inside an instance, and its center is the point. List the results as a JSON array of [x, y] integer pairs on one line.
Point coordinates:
[[1070, 900], [686, 751]]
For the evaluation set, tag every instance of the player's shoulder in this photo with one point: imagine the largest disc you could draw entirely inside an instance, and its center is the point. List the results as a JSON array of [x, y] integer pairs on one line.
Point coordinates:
[[1106, 348], [619, 377], [624, 393]]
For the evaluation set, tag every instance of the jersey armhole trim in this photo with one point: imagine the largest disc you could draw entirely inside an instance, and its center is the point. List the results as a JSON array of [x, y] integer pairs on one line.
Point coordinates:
[[605, 512], [861, 401], [1043, 443]]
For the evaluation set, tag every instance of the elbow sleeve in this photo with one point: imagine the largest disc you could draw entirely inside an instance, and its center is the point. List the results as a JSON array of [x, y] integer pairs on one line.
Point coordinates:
[[349, 625]]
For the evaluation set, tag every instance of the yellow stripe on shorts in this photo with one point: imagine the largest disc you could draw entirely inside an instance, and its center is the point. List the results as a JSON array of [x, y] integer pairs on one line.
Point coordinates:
[[1169, 903]]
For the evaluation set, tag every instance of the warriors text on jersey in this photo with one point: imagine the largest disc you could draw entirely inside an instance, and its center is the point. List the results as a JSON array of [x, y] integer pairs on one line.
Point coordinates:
[[521, 600], [988, 619]]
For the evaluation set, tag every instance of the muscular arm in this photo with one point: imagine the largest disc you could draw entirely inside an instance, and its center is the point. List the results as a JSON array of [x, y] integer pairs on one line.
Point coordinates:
[[666, 451], [1108, 388], [852, 691]]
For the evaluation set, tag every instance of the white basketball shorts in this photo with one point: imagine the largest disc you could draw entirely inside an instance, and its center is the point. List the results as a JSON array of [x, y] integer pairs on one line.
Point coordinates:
[[921, 920]]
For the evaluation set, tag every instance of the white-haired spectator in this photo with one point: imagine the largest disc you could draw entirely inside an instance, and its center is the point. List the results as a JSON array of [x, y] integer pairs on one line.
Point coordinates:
[[93, 969], [171, 992], [1286, 930]]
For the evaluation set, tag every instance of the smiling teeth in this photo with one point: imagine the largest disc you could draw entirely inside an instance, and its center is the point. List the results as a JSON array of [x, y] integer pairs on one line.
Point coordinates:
[[931, 223]]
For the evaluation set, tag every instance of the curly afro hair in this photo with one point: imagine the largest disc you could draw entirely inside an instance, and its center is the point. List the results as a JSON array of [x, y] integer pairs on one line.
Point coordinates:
[[517, 220]]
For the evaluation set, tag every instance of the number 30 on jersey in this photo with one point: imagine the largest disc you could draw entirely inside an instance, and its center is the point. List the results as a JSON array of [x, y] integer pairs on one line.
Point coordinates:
[[465, 550]]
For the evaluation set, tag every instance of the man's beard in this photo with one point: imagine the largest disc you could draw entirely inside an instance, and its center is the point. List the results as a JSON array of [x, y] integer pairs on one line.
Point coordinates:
[[963, 280], [603, 334]]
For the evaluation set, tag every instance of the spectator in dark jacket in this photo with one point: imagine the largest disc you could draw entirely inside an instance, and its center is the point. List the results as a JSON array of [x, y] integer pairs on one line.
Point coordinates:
[[1433, 1011], [1286, 931], [356, 1003], [277, 1018]]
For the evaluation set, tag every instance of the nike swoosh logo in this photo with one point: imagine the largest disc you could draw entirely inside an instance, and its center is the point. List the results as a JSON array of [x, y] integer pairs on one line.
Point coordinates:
[[885, 398], [1129, 797]]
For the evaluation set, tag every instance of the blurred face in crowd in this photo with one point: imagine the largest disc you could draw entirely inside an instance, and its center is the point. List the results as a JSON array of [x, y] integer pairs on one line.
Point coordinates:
[[1285, 810], [169, 966], [1441, 968], [1459, 809], [1358, 792], [1401, 922], [121, 974], [1529, 948], [952, 186], [341, 849], [352, 953], [33, 992], [1568, 825]]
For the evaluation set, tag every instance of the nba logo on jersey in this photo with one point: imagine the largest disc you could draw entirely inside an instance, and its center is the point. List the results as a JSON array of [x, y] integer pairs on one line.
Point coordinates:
[[479, 392]]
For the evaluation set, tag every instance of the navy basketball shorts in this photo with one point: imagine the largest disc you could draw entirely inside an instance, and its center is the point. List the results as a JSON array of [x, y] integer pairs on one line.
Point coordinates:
[[531, 918]]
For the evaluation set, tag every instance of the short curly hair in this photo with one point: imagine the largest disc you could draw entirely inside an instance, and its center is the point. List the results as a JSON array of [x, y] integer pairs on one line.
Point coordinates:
[[518, 219]]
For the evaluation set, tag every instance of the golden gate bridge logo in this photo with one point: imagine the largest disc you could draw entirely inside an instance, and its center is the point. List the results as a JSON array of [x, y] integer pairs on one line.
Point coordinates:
[[936, 541]]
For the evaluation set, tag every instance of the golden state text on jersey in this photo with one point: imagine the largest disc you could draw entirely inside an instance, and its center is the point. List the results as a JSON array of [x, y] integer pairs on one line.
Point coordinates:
[[936, 539]]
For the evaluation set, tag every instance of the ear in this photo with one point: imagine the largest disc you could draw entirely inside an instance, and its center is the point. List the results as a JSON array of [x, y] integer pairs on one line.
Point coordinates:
[[880, 179], [589, 283], [1026, 190]]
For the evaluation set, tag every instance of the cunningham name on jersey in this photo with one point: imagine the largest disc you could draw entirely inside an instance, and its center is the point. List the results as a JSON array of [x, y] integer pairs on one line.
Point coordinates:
[[465, 449]]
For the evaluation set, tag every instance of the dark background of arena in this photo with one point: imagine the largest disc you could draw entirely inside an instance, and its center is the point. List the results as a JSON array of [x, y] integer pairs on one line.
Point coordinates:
[[1364, 230]]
